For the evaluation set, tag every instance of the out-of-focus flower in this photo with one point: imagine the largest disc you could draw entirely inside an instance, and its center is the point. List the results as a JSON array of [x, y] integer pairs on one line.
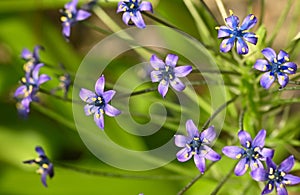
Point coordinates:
[[235, 33], [196, 144], [98, 102], [31, 58], [275, 66], [45, 165], [251, 153], [276, 176], [64, 84], [166, 73], [132, 11]]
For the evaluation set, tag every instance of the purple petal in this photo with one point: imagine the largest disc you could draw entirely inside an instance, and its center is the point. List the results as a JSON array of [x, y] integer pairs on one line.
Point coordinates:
[[271, 164], [224, 31], [241, 167], [255, 164], [36, 70], [156, 76], [259, 140], [267, 153], [268, 188], [250, 37], [232, 21], [137, 19], [248, 22], [146, 6], [50, 170], [71, 5], [183, 155], [269, 53], [43, 78], [200, 163], [20, 91], [227, 44], [99, 86], [43, 178], [40, 151], [126, 17], [267, 80], [191, 129], [287, 164], [233, 152], [281, 190], [177, 84], [211, 154], [120, 7], [108, 95], [99, 120], [289, 67], [36, 51], [86, 95], [182, 71], [283, 79], [26, 54], [111, 111], [283, 56], [208, 135], [89, 109], [259, 174], [261, 65], [82, 15], [171, 60], [244, 138], [291, 179], [156, 63], [163, 88], [66, 29], [181, 140], [241, 46]]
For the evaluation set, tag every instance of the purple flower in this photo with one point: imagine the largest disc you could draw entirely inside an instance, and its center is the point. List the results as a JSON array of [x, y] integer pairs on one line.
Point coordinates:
[[26, 93], [31, 58], [233, 32], [196, 144], [98, 102], [45, 166], [64, 84], [276, 176], [70, 16], [251, 153], [165, 73], [275, 66], [132, 11]]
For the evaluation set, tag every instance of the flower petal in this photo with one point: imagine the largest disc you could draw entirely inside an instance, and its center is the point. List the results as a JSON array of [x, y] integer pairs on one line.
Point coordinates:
[[163, 88], [99, 86], [26, 54], [156, 76], [43, 178], [71, 5], [233, 152], [20, 91], [262, 65], [281, 190], [35, 71], [241, 167], [50, 170], [182, 71], [146, 6], [267, 80], [269, 53], [227, 44], [244, 138], [40, 151], [99, 120], [156, 63], [268, 188], [259, 140], [111, 111], [259, 174], [200, 163], [289, 67], [208, 135], [120, 7], [232, 21], [126, 17], [82, 15], [108, 95], [267, 153], [241, 46], [283, 79], [271, 164], [250, 37], [43, 78], [211, 154], [191, 129], [248, 22], [138, 20], [177, 84], [283, 56], [287, 164], [86, 95], [291, 179], [181, 140], [66, 29], [184, 155], [255, 164], [171, 60], [89, 109], [224, 31]]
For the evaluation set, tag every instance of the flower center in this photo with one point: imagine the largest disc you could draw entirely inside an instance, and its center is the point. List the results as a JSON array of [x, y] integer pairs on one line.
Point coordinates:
[[132, 6], [67, 16], [276, 66], [252, 152], [99, 102], [168, 73], [237, 32], [276, 175]]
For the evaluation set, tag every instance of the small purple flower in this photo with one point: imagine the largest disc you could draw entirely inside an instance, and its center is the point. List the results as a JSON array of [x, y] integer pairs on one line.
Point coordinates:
[[26, 93], [98, 102], [276, 176], [251, 153], [166, 73], [275, 66], [232, 32], [64, 84], [196, 144], [45, 166], [31, 58], [70, 16], [132, 11]]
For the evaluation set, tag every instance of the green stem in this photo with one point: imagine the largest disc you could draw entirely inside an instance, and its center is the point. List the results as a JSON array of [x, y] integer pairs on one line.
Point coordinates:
[[216, 72], [163, 22], [209, 11], [221, 8], [96, 28], [241, 119], [262, 12]]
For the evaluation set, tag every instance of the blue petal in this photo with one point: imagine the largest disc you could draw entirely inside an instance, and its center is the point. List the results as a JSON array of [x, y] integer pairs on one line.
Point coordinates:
[[269, 53], [156, 76], [163, 88], [43, 178], [268, 190], [283, 79], [181, 140], [289, 67], [283, 56], [291, 179], [111, 111], [266, 153], [241, 167], [208, 134], [244, 138], [281, 190], [146, 6], [120, 7], [224, 31], [177, 84], [42, 79], [99, 86], [259, 140], [86, 95], [233, 152], [182, 71], [241, 46], [255, 164], [232, 21], [20, 91], [227, 44], [250, 37], [259, 174], [82, 15], [211, 154], [108, 95], [191, 129], [248, 22], [66, 29], [156, 63], [171, 60], [99, 120], [40, 151], [262, 65], [137, 19], [26, 54], [126, 17], [71, 6], [266, 80], [271, 164], [184, 155], [287, 164], [200, 163]]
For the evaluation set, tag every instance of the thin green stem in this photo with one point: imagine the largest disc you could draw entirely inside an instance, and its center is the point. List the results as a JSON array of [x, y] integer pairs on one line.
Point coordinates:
[[161, 21], [96, 28], [221, 9], [212, 15], [241, 119], [216, 72], [43, 91], [262, 12]]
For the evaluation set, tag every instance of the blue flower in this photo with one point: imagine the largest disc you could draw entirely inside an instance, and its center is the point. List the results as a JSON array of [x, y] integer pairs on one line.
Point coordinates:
[[45, 165], [70, 16], [275, 66], [31, 58], [196, 144], [132, 11], [232, 32], [166, 73], [276, 176], [98, 102], [250, 154]]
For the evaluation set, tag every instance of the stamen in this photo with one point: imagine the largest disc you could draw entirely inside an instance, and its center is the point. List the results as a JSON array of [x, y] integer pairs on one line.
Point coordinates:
[[193, 153], [205, 140], [243, 50], [224, 45], [63, 18], [255, 165], [282, 174], [270, 186], [265, 68], [271, 171], [217, 28], [101, 111], [246, 167], [93, 99], [256, 149], [281, 185], [131, 6], [196, 138], [286, 58], [186, 155], [271, 176], [38, 159], [131, 14], [275, 60], [252, 17], [97, 116], [290, 69], [248, 144], [230, 12], [238, 156], [45, 166]]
